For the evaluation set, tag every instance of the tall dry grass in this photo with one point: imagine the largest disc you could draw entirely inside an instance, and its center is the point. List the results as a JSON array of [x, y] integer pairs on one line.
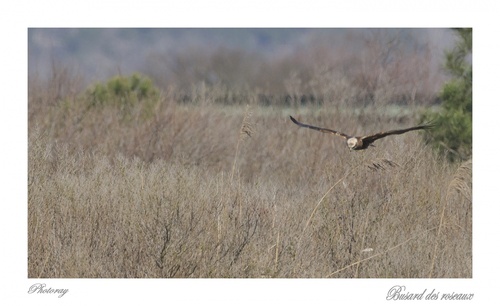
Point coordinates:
[[186, 193]]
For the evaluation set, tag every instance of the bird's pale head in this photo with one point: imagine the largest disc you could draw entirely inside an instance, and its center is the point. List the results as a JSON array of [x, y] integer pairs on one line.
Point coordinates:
[[352, 142]]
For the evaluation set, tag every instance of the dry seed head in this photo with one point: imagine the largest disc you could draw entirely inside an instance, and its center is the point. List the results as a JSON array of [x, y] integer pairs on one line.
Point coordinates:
[[382, 164], [246, 125]]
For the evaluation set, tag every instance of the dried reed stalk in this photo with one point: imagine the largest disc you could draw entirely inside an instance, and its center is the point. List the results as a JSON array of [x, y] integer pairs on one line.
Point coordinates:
[[246, 131]]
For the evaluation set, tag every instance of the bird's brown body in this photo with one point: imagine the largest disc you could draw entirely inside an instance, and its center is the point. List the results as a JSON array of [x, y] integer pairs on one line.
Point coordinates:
[[361, 142]]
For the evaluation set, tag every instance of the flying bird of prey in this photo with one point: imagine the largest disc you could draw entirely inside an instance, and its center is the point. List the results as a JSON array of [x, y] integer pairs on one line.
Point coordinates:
[[362, 142]]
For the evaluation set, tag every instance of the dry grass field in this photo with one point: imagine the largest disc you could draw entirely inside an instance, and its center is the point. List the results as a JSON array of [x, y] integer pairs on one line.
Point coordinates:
[[210, 190]]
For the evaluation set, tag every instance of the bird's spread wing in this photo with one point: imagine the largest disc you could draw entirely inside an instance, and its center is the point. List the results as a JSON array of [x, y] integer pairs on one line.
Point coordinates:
[[374, 137], [318, 128]]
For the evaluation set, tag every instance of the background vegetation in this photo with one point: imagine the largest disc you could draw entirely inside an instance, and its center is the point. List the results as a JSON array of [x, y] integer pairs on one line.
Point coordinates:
[[454, 137], [131, 178]]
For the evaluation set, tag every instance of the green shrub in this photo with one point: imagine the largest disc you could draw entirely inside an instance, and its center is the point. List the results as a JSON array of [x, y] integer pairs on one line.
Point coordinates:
[[128, 94], [453, 135]]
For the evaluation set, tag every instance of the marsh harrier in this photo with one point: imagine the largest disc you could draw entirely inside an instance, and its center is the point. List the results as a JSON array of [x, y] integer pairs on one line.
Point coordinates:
[[362, 142]]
